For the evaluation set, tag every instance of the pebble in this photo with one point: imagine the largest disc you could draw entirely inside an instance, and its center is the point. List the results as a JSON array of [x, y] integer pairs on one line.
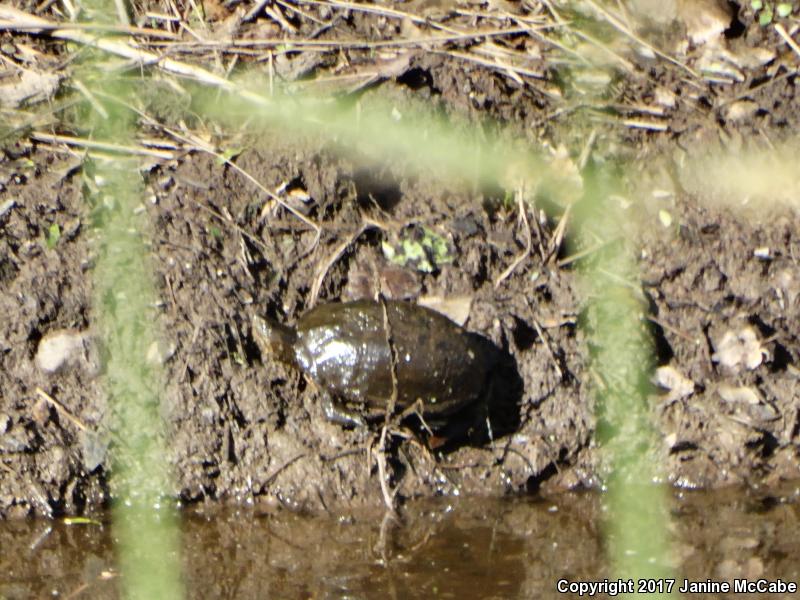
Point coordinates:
[[705, 20], [58, 349], [741, 110]]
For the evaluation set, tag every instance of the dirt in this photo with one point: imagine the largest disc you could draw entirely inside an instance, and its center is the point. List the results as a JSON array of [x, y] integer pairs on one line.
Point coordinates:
[[243, 428]]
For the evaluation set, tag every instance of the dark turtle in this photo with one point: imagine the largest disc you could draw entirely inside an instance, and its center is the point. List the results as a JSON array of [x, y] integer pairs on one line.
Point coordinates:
[[346, 351]]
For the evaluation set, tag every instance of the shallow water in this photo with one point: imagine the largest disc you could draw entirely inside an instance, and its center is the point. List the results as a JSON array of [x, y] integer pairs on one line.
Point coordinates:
[[448, 548]]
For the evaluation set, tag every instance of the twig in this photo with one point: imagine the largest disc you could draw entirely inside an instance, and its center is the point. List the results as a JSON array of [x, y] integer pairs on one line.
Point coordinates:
[[16, 19], [283, 467], [620, 26], [667, 327], [37, 24], [380, 457], [649, 125], [334, 256], [558, 234], [527, 251], [787, 38], [94, 145], [582, 254], [545, 341], [388, 498], [512, 71], [61, 409], [255, 10], [202, 146], [325, 45]]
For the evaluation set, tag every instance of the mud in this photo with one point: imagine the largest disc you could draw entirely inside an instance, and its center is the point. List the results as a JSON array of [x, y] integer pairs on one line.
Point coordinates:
[[244, 429]]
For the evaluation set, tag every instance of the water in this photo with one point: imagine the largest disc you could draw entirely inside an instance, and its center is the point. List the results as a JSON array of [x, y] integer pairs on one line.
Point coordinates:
[[447, 548]]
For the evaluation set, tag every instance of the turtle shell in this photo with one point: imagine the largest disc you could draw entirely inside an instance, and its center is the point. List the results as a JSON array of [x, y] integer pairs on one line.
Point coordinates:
[[346, 349]]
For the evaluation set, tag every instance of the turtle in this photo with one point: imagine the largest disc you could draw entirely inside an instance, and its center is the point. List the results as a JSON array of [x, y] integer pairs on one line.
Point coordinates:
[[421, 359]]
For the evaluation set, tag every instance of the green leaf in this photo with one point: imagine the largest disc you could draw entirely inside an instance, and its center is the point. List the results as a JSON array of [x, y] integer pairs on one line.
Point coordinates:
[[784, 9], [228, 155], [53, 235], [756, 5], [765, 17]]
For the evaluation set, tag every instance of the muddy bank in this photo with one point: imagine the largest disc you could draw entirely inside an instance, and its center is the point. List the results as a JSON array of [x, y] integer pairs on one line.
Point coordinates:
[[247, 429]]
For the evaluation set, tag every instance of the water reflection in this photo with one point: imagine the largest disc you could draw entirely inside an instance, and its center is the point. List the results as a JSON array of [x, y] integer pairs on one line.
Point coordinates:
[[465, 548]]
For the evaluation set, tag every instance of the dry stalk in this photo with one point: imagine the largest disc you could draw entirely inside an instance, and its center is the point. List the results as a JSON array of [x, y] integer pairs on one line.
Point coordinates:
[[282, 468], [49, 138], [512, 71], [241, 45], [528, 242], [26, 22], [61, 409], [545, 341], [558, 234], [622, 28], [388, 496], [787, 38], [326, 265]]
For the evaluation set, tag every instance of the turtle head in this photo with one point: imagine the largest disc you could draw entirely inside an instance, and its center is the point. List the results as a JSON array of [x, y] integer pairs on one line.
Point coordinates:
[[275, 340]]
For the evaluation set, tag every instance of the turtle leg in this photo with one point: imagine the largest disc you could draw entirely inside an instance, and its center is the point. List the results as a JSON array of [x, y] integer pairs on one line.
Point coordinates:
[[337, 413]]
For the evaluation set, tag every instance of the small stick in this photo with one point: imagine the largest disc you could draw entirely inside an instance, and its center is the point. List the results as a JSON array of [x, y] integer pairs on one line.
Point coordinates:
[[335, 255], [61, 409], [388, 496], [558, 236], [787, 38], [544, 339], [525, 253], [93, 145]]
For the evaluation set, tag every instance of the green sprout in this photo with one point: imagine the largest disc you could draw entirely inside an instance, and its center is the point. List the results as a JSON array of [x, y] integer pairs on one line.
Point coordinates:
[[426, 253], [53, 235], [766, 12]]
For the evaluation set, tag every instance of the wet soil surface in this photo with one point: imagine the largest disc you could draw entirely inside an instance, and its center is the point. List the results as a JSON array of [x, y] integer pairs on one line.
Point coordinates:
[[451, 548], [722, 291]]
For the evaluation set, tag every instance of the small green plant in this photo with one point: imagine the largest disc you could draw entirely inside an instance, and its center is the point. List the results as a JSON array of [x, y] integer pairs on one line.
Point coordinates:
[[767, 11], [423, 249], [53, 235]]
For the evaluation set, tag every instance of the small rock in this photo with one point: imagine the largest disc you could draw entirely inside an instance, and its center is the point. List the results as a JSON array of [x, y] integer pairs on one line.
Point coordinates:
[[672, 380], [14, 440], [752, 57], [763, 253], [455, 308], [741, 394], [58, 350], [665, 98], [739, 348], [160, 352], [741, 110], [94, 449], [705, 20]]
